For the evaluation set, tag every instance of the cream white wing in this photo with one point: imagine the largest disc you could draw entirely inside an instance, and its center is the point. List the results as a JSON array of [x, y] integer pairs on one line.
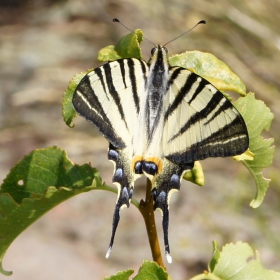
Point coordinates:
[[199, 122], [110, 98]]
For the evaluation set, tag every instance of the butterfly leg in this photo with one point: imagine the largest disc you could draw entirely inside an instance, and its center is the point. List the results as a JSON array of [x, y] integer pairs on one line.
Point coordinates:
[[123, 178], [166, 182]]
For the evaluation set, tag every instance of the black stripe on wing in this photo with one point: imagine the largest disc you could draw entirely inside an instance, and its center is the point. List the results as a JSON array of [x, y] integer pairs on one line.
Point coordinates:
[[99, 74], [192, 78], [112, 90], [230, 140], [130, 64], [183, 91], [122, 68], [211, 106], [87, 104]]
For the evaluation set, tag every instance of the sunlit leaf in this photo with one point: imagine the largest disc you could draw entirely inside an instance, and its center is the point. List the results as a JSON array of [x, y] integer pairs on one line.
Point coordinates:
[[211, 68]]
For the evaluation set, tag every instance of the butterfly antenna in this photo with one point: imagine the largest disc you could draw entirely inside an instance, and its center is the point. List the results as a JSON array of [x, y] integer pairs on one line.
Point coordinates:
[[118, 21], [200, 22]]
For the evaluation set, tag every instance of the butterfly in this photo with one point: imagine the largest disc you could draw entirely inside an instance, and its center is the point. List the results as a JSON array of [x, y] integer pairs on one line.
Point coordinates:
[[158, 119]]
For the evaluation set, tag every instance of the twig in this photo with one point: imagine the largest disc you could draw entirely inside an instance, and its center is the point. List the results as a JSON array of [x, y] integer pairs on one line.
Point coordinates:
[[147, 211]]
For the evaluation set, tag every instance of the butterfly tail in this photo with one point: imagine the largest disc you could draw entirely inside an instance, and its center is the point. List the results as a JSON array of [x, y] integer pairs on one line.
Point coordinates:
[[165, 183], [125, 194], [161, 202], [116, 219], [122, 201], [123, 178]]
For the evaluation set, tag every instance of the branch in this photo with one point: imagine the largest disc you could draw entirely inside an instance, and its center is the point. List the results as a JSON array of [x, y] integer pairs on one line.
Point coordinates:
[[147, 210]]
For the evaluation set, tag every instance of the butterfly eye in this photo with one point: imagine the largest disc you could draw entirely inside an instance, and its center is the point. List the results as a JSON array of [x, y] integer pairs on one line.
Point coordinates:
[[153, 51], [165, 49]]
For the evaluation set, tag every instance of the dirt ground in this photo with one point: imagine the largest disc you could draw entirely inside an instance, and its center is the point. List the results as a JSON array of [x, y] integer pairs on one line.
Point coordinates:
[[43, 45]]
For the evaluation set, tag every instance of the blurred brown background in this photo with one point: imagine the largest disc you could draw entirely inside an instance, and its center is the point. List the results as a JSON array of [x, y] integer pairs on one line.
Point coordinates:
[[43, 44]]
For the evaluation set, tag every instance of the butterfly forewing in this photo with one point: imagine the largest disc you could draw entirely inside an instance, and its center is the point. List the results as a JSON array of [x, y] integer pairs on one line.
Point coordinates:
[[110, 97], [200, 122]]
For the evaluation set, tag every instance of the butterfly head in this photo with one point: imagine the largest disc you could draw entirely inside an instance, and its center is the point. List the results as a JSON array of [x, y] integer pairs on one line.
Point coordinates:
[[159, 55], [159, 48]]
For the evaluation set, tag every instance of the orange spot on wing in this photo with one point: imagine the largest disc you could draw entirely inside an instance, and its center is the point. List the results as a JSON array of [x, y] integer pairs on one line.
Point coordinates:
[[135, 160]]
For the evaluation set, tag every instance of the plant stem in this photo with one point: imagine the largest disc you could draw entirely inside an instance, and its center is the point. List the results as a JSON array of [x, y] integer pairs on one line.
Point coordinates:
[[147, 210]]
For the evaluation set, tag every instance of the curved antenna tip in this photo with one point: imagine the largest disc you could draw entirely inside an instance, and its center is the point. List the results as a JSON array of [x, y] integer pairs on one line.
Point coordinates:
[[202, 21], [115, 20]]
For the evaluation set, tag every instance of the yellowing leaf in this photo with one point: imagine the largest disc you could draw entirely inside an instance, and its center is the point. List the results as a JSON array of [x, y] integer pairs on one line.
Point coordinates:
[[248, 155], [211, 68], [195, 175]]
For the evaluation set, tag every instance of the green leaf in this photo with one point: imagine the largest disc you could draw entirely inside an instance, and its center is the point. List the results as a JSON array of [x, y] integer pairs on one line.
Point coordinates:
[[152, 271], [238, 262], [68, 111], [195, 175], [211, 68], [121, 275], [257, 117], [39, 182], [127, 47], [215, 257]]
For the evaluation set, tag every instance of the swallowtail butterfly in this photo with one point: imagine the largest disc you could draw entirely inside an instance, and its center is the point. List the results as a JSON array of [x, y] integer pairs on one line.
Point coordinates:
[[159, 119]]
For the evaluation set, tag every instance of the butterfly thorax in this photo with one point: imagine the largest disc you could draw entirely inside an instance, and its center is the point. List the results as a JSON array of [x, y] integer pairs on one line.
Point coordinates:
[[156, 88]]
